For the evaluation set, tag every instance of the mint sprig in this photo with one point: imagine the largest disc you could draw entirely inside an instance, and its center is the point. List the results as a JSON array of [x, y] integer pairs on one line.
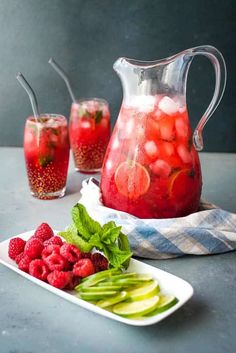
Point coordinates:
[[45, 160], [87, 234], [98, 116], [85, 113]]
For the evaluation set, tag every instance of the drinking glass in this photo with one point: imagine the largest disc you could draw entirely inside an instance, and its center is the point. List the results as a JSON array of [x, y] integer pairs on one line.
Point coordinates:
[[89, 133], [46, 150]]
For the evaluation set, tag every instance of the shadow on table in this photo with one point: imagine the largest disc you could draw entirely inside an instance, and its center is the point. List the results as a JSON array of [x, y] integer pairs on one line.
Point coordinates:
[[190, 316], [74, 182]]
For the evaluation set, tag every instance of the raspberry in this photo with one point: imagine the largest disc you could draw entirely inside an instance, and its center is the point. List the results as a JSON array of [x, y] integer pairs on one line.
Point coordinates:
[[55, 240], [19, 257], [38, 269], [99, 261], [70, 252], [56, 262], [33, 248], [85, 255], [50, 249], [43, 232], [16, 246], [59, 279], [83, 268], [73, 282], [24, 263]]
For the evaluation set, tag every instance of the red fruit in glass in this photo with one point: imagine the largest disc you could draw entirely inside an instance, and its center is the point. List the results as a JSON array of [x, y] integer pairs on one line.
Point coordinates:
[[89, 133], [46, 149]]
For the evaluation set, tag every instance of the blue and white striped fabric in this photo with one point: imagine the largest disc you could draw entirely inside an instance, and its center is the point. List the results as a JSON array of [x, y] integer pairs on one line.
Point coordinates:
[[209, 231]]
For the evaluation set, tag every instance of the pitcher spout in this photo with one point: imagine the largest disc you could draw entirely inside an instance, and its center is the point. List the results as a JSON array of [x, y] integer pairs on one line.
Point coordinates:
[[150, 78]]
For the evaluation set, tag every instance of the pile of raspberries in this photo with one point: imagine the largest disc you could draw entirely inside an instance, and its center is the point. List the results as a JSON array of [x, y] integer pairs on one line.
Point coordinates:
[[46, 257]]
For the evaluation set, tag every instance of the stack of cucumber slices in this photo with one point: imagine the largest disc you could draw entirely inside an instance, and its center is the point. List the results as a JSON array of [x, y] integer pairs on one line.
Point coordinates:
[[127, 294]]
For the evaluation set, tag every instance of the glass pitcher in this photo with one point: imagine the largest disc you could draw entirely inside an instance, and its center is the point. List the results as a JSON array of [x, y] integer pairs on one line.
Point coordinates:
[[151, 168]]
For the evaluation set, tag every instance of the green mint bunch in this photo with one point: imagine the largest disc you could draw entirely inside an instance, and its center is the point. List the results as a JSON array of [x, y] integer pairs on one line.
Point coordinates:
[[87, 234]]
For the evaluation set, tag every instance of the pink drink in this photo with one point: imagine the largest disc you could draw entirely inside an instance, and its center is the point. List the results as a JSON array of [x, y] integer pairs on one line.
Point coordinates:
[[46, 148], [151, 168], [89, 133]]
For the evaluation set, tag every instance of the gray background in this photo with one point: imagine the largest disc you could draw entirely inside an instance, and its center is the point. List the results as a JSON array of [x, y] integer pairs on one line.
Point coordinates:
[[87, 36]]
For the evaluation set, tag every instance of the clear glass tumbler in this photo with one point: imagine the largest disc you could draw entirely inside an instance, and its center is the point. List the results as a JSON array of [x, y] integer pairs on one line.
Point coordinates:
[[46, 149], [89, 133]]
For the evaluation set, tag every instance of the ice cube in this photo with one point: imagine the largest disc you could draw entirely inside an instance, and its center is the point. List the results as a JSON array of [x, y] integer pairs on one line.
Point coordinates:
[[184, 153], [151, 149], [167, 148], [167, 130], [168, 106], [161, 168], [29, 137], [85, 124], [181, 127], [143, 103], [157, 114]]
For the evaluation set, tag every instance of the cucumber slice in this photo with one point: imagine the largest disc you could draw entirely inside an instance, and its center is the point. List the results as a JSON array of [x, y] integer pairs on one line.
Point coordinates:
[[112, 284], [114, 300], [165, 303], [91, 296], [139, 279], [138, 308], [97, 277], [123, 276], [99, 289], [145, 291]]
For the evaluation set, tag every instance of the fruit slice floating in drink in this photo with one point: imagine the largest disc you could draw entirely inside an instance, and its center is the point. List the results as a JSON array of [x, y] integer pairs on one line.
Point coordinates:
[[132, 179]]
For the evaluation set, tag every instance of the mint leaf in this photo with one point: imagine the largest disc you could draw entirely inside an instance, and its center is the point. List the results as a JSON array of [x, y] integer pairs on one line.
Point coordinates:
[[96, 242], [72, 237], [98, 116], [85, 225], [55, 131], [116, 256], [81, 112], [86, 234], [44, 161], [123, 243], [110, 232]]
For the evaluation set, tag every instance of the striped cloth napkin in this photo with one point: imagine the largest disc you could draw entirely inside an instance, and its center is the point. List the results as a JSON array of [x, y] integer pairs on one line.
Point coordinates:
[[211, 230]]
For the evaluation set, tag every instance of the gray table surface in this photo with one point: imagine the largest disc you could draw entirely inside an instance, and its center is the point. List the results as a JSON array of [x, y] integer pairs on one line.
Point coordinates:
[[33, 320]]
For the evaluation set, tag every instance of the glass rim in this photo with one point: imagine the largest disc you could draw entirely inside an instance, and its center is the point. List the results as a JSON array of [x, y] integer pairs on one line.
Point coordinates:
[[84, 100], [46, 115]]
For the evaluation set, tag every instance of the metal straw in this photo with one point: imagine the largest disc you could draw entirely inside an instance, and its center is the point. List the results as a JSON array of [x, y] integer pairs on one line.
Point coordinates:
[[31, 94], [64, 76]]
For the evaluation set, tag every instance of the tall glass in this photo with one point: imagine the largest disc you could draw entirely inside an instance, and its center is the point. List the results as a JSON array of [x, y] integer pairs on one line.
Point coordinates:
[[46, 149], [89, 133]]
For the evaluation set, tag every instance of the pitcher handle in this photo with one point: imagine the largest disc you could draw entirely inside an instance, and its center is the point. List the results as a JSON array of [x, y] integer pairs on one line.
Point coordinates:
[[218, 62]]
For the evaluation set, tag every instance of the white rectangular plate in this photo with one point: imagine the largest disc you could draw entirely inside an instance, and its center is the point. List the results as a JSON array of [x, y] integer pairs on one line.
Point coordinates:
[[169, 284]]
